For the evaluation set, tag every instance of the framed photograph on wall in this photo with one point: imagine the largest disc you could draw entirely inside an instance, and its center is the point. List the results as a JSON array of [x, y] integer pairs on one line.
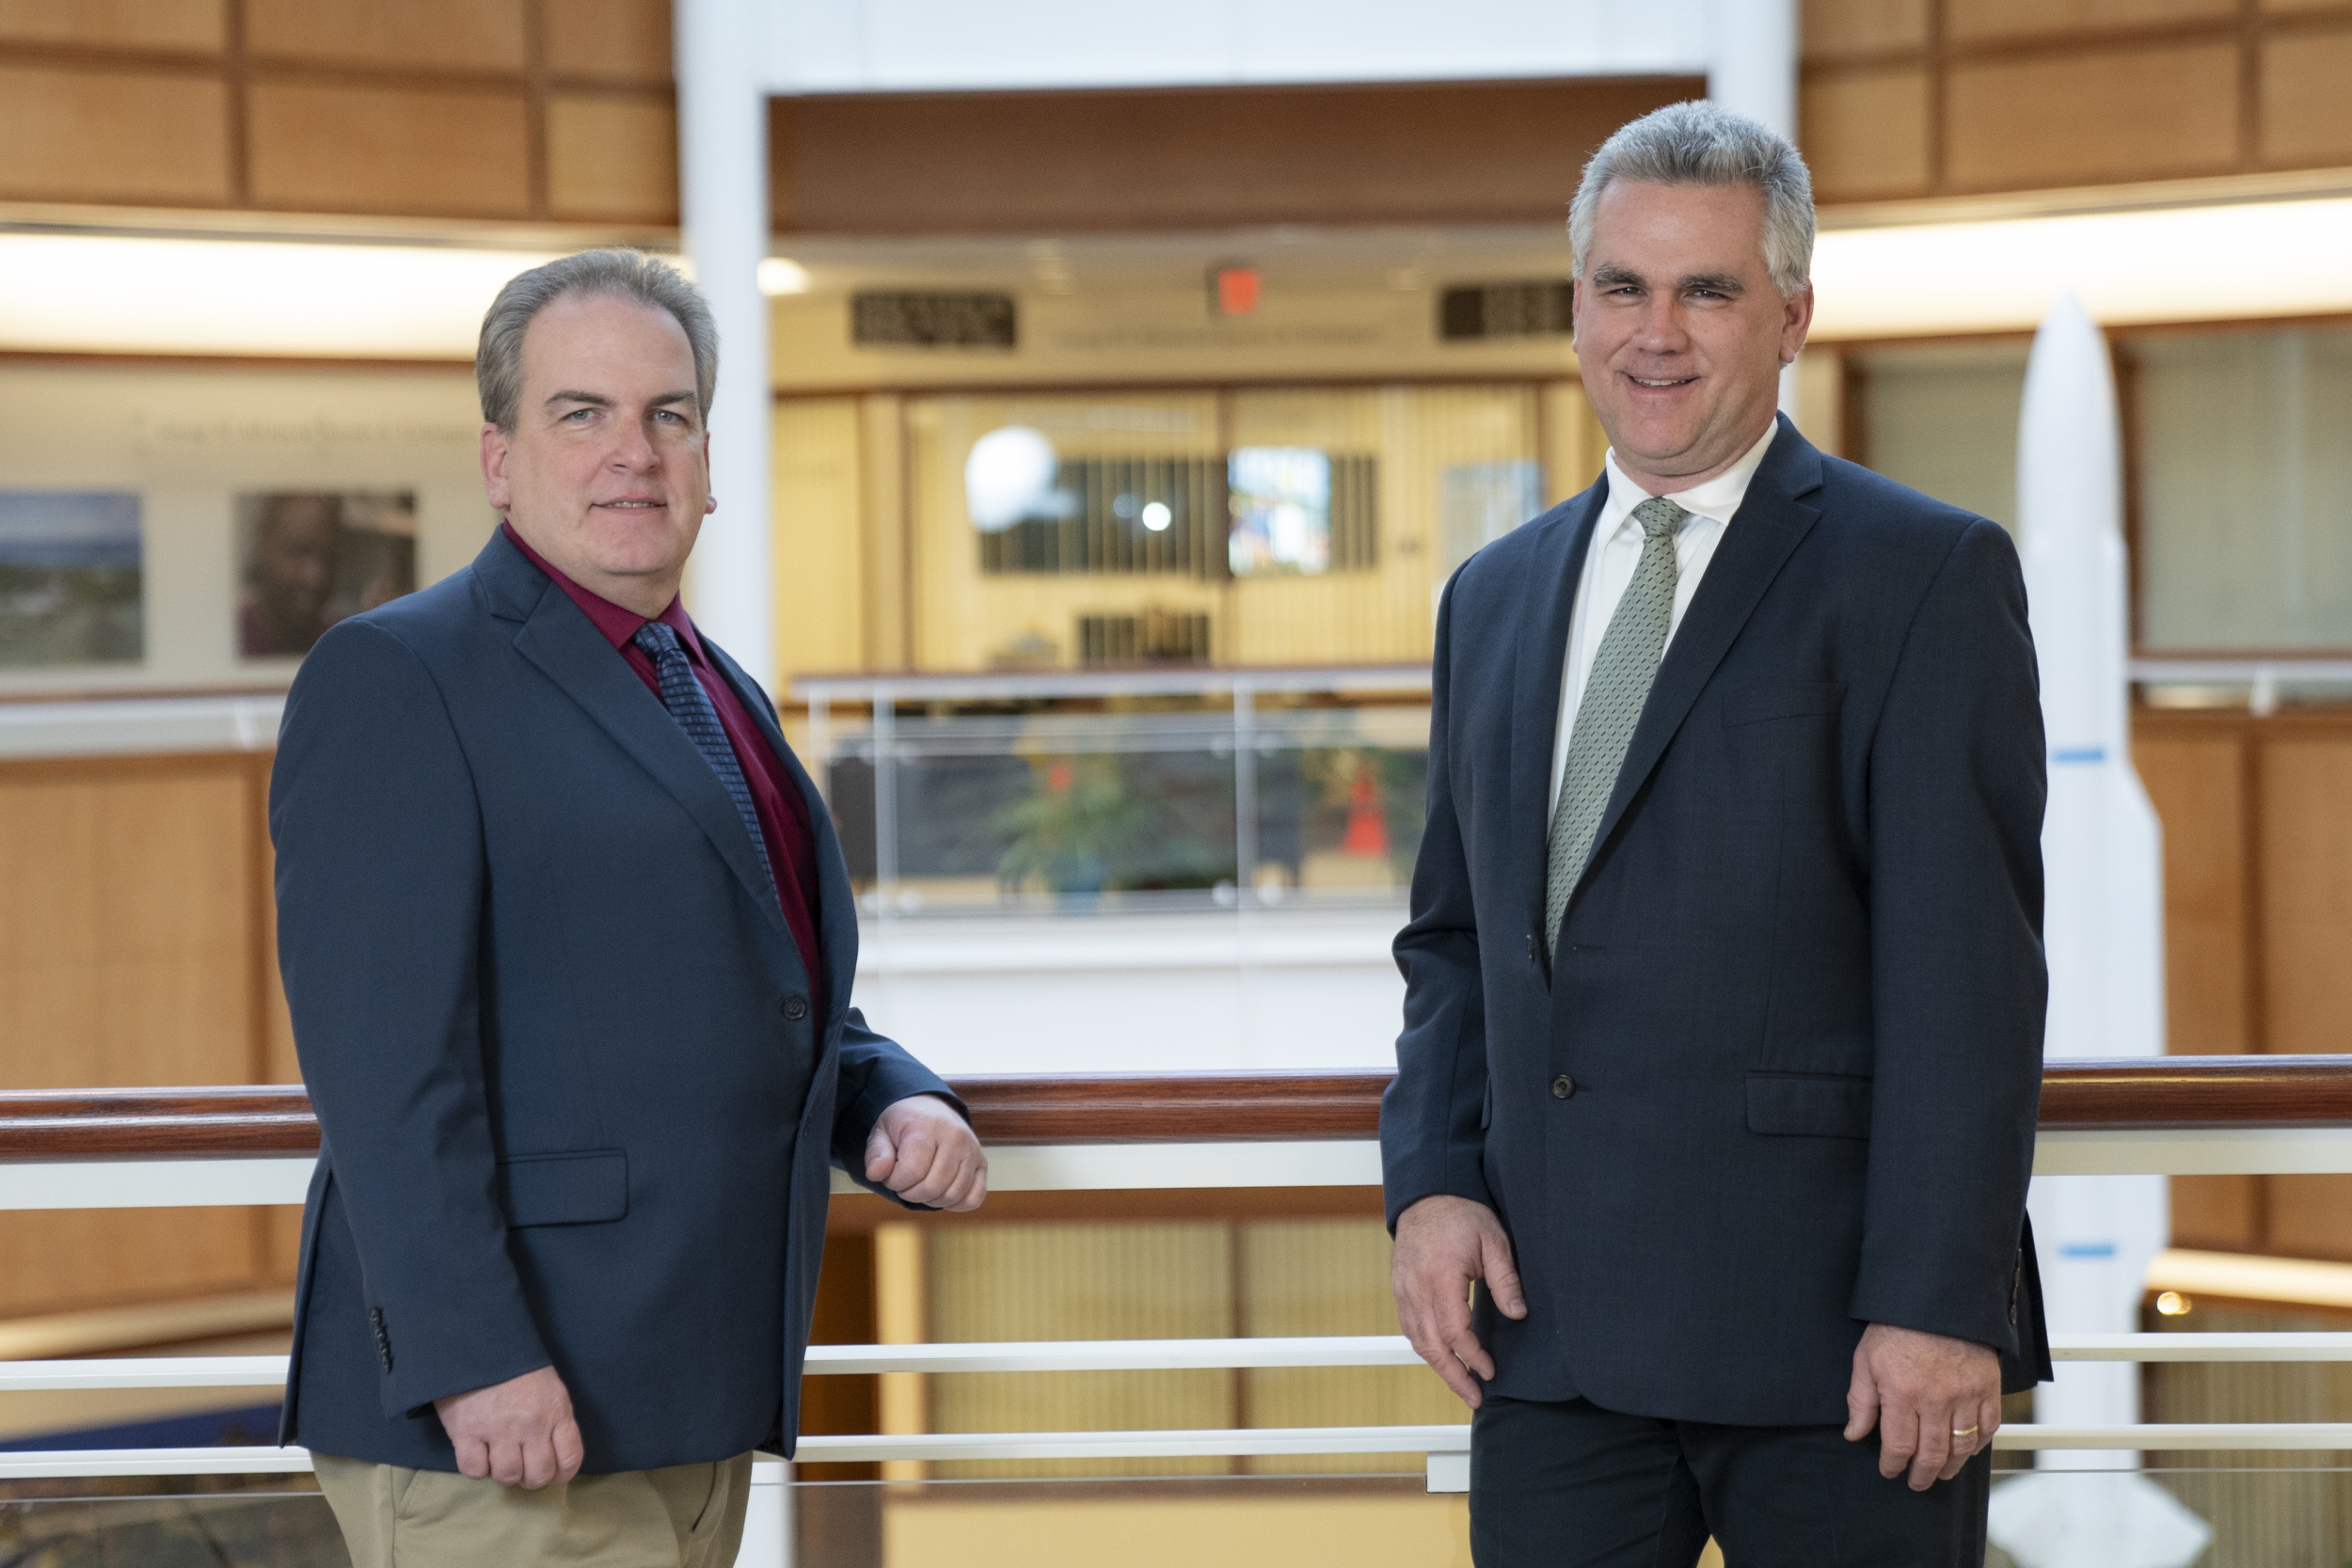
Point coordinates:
[[306, 559], [72, 579]]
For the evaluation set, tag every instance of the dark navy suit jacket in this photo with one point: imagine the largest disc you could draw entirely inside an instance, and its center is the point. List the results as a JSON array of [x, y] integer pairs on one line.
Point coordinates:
[[576, 1108], [1779, 1079]]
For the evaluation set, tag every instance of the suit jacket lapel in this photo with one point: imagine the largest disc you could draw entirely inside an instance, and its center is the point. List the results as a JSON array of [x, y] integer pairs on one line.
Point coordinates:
[[570, 652], [1540, 660], [836, 901], [1770, 524]]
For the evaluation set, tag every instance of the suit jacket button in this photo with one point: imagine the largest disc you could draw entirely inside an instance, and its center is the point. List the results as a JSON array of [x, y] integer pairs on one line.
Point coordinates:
[[1563, 1086], [796, 1009], [1530, 947]]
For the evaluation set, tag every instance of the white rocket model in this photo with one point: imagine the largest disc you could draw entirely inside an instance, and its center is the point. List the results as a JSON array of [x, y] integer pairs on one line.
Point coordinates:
[[2102, 927]]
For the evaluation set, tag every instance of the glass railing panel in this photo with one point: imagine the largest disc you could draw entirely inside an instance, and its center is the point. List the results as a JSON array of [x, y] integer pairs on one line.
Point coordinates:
[[1340, 793], [200, 1522], [1047, 812], [2215, 1510], [2287, 1516], [1180, 803], [1280, 1521]]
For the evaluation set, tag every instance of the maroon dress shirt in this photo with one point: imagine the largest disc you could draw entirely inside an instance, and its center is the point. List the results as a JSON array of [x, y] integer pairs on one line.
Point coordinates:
[[782, 813]]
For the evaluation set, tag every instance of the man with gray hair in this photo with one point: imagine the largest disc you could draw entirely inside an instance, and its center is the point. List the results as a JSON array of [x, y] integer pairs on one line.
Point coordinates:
[[568, 943], [1707, 1148]]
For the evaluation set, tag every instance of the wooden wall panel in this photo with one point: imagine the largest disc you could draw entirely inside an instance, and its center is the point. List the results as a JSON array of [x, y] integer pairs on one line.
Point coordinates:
[[2195, 772], [461, 35], [197, 26], [819, 536], [1190, 158], [2308, 1216], [78, 135], [2219, 1213], [126, 954], [2093, 118], [2197, 784], [1868, 132], [2306, 98], [2306, 871], [391, 150], [621, 40], [613, 158], [1978, 21], [65, 1260], [2034, 94], [1836, 28]]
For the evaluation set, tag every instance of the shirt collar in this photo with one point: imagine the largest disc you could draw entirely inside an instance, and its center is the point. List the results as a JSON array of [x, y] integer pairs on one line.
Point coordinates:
[[1718, 498], [618, 624]]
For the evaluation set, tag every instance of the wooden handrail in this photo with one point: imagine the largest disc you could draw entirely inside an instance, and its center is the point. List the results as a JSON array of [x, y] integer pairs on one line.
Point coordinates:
[[2154, 1093]]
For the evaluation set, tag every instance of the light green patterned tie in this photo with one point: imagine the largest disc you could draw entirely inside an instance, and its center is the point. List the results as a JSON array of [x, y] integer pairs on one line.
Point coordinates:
[[1611, 706]]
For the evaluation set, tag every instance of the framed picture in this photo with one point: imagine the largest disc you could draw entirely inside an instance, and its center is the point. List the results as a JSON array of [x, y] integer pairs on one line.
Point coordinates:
[[309, 558], [72, 581]]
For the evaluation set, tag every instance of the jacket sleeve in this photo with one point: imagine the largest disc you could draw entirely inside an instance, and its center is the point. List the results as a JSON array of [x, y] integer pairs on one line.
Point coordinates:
[[876, 1073], [1957, 785], [1431, 1142], [380, 883]]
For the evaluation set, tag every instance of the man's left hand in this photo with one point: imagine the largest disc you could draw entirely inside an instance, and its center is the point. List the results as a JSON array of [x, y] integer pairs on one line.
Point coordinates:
[[1936, 1402], [926, 1153]]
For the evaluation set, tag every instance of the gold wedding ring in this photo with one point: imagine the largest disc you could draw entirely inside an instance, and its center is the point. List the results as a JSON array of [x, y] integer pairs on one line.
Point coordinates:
[[1958, 1432]]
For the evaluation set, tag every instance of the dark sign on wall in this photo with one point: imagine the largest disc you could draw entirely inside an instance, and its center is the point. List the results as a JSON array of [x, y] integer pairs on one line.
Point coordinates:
[[1504, 310], [898, 319]]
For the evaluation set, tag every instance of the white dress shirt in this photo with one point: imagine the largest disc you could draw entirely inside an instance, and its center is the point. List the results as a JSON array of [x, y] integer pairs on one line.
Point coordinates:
[[1611, 558]]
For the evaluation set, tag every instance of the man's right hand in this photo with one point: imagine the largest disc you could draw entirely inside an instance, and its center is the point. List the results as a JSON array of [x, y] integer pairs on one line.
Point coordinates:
[[519, 1433], [1443, 1246]]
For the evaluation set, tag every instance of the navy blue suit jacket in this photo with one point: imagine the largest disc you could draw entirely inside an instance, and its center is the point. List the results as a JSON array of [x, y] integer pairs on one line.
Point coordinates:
[[1779, 1079], [576, 1108]]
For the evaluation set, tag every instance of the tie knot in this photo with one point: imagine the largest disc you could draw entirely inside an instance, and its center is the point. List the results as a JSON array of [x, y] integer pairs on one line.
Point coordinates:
[[1660, 518], [657, 640]]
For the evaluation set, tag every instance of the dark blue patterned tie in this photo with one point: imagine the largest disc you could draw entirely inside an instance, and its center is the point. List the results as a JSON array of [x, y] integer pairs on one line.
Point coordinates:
[[690, 704]]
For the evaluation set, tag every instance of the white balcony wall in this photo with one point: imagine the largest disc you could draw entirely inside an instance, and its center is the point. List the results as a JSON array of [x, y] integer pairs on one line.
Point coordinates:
[[948, 45], [1209, 992]]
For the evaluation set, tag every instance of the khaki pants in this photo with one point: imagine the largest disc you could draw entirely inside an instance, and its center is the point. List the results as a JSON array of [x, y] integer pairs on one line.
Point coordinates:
[[685, 1517]]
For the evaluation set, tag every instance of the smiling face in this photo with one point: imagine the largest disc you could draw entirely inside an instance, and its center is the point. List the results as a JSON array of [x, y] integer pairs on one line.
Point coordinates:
[[1680, 333], [607, 471]]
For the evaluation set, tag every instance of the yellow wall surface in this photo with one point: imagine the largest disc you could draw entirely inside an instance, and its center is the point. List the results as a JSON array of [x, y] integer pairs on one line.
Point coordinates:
[[870, 509]]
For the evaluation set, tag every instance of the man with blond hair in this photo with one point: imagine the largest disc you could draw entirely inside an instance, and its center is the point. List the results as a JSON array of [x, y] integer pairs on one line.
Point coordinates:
[[1707, 1149], [568, 941]]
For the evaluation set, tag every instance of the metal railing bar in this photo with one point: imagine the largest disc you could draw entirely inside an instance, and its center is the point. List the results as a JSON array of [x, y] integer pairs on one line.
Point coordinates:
[[152, 1372], [61, 1464], [2249, 1436], [1149, 681], [2194, 1346], [2174, 1436], [1116, 1355], [1073, 1355], [1213, 1442], [1153, 1160]]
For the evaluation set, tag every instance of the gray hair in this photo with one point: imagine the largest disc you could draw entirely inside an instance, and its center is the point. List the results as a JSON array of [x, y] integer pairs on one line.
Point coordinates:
[[1700, 143], [497, 362]]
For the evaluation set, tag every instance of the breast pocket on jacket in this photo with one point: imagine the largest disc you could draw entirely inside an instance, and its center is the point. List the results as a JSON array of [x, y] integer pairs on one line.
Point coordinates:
[[1756, 702], [1808, 1105], [584, 1187]]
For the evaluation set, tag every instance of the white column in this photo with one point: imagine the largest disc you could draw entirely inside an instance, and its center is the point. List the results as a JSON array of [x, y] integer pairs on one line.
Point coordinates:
[[1751, 66], [1752, 70], [722, 190]]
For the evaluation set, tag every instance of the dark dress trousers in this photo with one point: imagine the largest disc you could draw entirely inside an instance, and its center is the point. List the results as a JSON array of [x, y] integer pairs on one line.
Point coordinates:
[[1779, 1080], [577, 1107]]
